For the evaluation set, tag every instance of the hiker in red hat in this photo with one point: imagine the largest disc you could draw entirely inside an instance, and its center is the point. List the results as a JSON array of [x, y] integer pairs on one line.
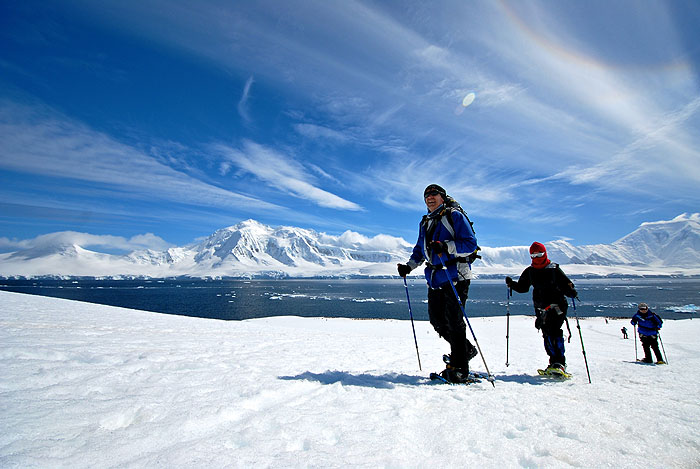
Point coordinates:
[[550, 285]]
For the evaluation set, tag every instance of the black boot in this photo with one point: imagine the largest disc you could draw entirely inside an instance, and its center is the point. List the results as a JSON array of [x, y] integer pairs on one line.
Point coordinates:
[[456, 375], [471, 351]]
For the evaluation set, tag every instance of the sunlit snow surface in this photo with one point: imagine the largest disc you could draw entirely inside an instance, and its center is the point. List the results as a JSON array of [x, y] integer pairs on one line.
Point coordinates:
[[85, 385]]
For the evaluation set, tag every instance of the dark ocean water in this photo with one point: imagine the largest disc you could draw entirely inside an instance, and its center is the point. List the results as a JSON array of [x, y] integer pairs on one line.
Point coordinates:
[[356, 298]]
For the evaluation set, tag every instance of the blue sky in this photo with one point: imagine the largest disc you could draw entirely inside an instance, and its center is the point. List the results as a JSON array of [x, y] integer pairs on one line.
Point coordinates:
[[154, 123]]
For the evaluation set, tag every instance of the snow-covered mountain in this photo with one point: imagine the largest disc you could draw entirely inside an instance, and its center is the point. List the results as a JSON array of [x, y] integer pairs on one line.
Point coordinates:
[[243, 250], [253, 249], [661, 247]]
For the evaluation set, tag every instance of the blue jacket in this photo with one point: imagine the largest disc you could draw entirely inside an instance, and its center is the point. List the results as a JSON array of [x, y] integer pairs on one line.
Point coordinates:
[[647, 324], [459, 238]]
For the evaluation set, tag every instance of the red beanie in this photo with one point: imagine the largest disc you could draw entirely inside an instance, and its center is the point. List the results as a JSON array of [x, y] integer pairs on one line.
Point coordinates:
[[539, 262]]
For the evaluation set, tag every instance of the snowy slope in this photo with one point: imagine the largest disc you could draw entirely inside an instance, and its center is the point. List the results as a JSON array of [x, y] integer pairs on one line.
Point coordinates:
[[254, 249], [86, 385]]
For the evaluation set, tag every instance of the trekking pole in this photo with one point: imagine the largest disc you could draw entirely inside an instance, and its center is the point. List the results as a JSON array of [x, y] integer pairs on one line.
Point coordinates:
[[410, 313], [507, 322], [580, 335], [662, 347], [464, 312], [636, 357]]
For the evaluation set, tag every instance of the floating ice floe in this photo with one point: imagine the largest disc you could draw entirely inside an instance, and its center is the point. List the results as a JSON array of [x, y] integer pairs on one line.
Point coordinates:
[[690, 309]]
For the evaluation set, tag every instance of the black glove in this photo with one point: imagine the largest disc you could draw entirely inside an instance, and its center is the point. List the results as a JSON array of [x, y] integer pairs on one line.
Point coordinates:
[[509, 281], [437, 247], [574, 294], [403, 269]]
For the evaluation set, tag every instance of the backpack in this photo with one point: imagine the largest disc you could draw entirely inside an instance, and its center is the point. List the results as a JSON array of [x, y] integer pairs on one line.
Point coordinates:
[[452, 204]]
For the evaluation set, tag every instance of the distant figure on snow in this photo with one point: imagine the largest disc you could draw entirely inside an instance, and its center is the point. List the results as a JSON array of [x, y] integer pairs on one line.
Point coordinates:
[[446, 236], [648, 324], [624, 333], [550, 285]]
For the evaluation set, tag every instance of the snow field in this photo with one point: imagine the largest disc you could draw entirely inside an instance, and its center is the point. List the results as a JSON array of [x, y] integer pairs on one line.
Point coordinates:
[[86, 385]]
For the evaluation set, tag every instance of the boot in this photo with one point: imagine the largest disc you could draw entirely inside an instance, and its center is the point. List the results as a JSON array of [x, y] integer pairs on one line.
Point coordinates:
[[472, 352], [557, 366], [455, 375]]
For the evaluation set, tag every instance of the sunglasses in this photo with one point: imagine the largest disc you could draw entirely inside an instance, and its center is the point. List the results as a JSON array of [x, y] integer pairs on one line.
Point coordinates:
[[428, 194], [536, 254]]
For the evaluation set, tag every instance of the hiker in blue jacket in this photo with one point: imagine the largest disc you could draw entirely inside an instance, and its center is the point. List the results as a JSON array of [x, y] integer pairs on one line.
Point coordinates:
[[648, 324], [445, 236]]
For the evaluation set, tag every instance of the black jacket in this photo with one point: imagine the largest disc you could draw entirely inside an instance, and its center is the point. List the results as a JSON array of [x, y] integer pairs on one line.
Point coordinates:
[[549, 286]]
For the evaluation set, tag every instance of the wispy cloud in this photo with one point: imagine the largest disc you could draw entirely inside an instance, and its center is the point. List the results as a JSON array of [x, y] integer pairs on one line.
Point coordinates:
[[243, 102], [661, 154], [283, 173], [314, 131], [39, 140]]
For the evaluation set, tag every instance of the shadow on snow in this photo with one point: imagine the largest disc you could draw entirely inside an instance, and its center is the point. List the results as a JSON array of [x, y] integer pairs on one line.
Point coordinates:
[[390, 380], [385, 381]]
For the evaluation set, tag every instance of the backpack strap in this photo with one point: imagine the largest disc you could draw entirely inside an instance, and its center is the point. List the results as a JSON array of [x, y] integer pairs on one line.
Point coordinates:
[[450, 226]]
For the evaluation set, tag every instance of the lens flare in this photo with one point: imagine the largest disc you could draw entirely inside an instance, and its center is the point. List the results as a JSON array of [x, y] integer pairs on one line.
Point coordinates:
[[468, 99]]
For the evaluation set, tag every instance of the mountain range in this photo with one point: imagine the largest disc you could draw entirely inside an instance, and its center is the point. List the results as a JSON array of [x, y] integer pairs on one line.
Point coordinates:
[[252, 249]]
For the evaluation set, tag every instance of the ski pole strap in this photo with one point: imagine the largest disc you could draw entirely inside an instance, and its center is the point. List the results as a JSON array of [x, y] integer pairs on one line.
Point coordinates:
[[568, 328]]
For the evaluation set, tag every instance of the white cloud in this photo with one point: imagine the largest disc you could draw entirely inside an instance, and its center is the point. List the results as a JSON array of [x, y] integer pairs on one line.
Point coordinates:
[[87, 240], [354, 240], [282, 173], [243, 102], [39, 140], [314, 131]]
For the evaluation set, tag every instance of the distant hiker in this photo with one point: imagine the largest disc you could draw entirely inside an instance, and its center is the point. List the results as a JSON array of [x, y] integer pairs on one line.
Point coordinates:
[[648, 324], [624, 333], [550, 285], [445, 236]]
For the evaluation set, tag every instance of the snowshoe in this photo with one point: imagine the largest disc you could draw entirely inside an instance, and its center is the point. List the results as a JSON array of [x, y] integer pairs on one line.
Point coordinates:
[[555, 371]]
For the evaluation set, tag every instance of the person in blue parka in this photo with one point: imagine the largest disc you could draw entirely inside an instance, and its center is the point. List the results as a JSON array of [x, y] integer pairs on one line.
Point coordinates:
[[445, 243], [648, 324]]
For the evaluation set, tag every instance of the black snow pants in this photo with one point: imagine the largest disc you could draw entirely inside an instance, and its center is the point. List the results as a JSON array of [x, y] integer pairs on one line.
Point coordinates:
[[650, 342], [447, 320]]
